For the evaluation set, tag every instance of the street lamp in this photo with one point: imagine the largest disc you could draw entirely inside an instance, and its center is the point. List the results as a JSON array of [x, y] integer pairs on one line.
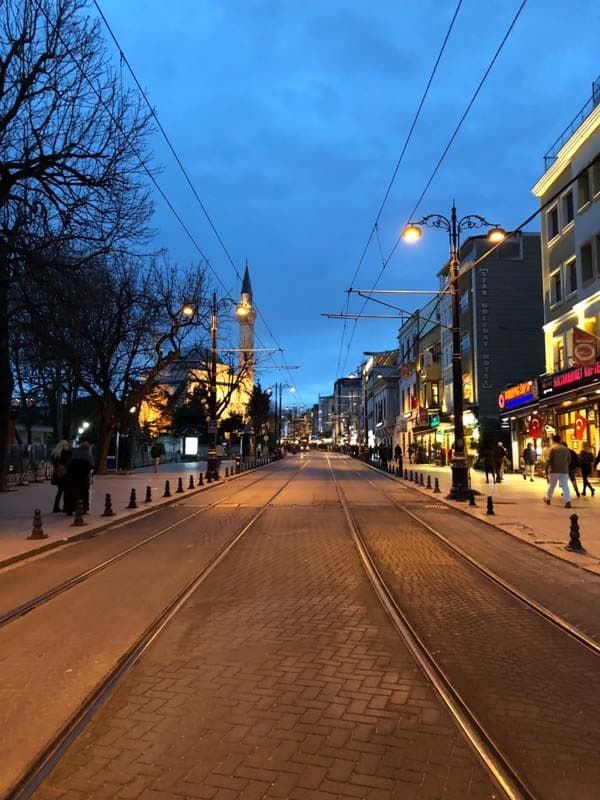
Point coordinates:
[[412, 233]]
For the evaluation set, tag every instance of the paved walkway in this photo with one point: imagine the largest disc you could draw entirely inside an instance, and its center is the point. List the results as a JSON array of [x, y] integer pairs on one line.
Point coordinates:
[[520, 510], [17, 507]]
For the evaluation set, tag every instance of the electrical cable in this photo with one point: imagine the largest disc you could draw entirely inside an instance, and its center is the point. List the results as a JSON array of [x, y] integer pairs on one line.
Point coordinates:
[[444, 153], [397, 167], [185, 173]]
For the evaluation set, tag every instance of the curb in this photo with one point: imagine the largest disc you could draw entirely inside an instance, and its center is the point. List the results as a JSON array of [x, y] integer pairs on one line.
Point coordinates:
[[462, 510], [104, 527]]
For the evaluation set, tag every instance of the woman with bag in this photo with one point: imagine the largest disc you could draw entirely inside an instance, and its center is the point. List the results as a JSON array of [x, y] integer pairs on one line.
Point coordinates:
[[61, 455]]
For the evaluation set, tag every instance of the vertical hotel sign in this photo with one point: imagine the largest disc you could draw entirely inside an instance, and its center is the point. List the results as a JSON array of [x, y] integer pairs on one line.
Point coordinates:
[[485, 330]]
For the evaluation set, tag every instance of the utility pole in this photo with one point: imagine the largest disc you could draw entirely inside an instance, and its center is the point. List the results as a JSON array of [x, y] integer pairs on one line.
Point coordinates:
[[212, 466]]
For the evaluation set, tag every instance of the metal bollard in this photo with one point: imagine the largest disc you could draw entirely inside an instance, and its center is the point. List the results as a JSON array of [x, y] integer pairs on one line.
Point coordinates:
[[405, 474], [429, 486], [490, 507], [200, 480], [179, 489], [78, 519], [37, 531], [132, 500], [421, 480], [416, 477], [410, 476], [472, 498], [208, 479], [191, 483], [167, 492], [108, 509], [226, 472], [436, 489], [574, 536], [148, 494]]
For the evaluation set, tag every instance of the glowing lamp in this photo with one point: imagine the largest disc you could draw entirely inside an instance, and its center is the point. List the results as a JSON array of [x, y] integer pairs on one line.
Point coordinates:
[[412, 233], [496, 234]]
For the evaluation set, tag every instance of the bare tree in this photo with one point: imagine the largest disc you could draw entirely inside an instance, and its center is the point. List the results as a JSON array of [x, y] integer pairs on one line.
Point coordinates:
[[119, 326], [72, 152]]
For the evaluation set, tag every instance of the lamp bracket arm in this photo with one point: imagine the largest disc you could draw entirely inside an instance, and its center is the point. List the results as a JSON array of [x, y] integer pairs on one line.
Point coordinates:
[[435, 221], [474, 221]]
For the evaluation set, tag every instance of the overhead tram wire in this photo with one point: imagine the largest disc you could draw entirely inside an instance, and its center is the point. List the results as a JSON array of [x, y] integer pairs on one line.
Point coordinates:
[[447, 148], [185, 173], [396, 168]]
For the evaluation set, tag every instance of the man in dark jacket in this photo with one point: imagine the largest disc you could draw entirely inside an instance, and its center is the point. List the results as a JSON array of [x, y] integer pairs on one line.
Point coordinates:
[[559, 460], [529, 459], [573, 464], [77, 484], [499, 456]]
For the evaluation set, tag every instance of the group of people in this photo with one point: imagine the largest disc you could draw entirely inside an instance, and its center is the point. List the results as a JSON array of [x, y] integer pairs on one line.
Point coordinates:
[[561, 463], [495, 460], [71, 474]]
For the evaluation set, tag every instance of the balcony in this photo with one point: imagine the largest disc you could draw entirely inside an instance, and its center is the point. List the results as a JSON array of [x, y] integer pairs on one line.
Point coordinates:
[[579, 118]]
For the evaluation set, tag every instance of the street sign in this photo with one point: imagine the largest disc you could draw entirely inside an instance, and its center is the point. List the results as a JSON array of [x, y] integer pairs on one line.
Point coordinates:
[[212, 425], [435, 421]]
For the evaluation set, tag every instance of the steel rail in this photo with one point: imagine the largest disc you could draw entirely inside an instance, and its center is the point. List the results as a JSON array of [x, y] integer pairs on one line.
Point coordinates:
[[504, 776], [559, 622], [30, 781], [19, 611]]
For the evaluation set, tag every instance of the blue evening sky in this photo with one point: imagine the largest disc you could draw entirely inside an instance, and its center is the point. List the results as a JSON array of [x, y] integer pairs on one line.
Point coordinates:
[[290, 116]]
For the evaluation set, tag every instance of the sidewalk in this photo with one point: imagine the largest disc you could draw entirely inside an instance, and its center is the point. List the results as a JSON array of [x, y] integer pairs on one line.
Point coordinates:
[[520, 511], [17, 507]]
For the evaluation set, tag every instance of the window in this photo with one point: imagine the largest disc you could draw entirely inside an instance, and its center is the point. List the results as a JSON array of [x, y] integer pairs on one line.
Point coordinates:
[[435, 395], [552, 222], [596, 177], [583, 190], [587, 264], [555, 288], [465, 344], [571, 276], [464, 302], [559, 355], [597, 241], [568, 209]]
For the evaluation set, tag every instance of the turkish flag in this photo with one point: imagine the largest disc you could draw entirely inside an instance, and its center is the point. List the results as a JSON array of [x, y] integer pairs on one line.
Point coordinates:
[[536, 426], [584, 348], [581, 424]]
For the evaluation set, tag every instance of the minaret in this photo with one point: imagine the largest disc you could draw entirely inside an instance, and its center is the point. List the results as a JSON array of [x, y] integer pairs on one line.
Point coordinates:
[[246, 315]]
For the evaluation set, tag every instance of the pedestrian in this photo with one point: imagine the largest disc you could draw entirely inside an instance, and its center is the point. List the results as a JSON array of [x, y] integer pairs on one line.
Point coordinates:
[[77, 483], [500, 455], [573, 464], [488, 465], [529, 459], [586, 460], [155, 453], [559, 459], [60, 457], [399, 457]]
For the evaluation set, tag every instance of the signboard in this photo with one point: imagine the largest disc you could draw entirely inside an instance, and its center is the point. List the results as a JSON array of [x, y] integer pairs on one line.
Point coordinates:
[[212, 425], [519, 395], [584, 348], [435, 421], [568, 379]]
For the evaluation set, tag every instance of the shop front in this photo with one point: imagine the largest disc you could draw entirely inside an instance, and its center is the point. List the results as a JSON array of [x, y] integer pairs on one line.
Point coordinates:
[[570, 402], [519, 410]]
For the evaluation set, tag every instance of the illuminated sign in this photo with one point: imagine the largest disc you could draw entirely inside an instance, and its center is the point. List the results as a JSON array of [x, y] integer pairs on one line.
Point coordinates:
[[519, 395], [568, 379]]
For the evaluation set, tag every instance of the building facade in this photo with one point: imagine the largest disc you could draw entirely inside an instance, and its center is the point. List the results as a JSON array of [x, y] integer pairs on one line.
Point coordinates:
[[347, 397], [380, 398]]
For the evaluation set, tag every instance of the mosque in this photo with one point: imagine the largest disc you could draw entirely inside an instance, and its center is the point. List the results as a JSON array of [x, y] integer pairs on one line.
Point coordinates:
[[235, 380]]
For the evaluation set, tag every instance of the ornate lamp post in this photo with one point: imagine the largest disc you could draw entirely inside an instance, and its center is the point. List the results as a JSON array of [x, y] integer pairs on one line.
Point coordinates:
[[454, 226]]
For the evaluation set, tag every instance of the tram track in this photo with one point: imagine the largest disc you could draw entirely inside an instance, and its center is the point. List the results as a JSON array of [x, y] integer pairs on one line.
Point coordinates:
[[49, 757], [506, 770], [44, 597]]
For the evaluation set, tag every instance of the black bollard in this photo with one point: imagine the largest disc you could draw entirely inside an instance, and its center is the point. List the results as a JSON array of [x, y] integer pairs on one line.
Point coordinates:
[[191, 483], [108, 509], [405, 474], [78, 519], [436, 489], [416, 477], [200, 480], [429, 486], [167, 492], [410, 476], [421, 480], [179, 489], [574, 536], [226, 472], [148, 494], [132, 500], [472, 498], [37, 531], [208, 479], [490, 507]]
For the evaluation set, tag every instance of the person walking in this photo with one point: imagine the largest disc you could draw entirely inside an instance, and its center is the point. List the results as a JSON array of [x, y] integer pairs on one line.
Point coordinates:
[[529, 459], [399, 457], [499, 455], [77, 484], [155, 455], [573, 464], [586, 461], [559, 459], [60, 457], [488, 465]]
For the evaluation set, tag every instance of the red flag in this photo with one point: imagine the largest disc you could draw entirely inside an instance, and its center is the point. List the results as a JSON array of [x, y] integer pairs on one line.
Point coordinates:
[[581, 424], [584, 348], [536, 426]]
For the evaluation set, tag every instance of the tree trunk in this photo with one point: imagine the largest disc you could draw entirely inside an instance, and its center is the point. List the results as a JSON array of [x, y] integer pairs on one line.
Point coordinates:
[[6, 380], [104, 436]]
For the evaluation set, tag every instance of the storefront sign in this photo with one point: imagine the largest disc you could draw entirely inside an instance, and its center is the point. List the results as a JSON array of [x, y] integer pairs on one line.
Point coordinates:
[[536, 426], [434, 421], [569, 379], [519, 395], [584, 348], [581, 424], [423, 417]]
